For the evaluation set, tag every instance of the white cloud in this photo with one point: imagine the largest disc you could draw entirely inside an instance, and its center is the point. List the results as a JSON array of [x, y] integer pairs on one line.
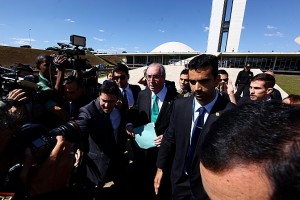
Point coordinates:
[[136, 47], [69, 20], [46, 41], [271, 27], [22, 41], [206, 29], [276, 34], [162, 31], [111, 50], [100, 30], [64, 41], [98, 39]]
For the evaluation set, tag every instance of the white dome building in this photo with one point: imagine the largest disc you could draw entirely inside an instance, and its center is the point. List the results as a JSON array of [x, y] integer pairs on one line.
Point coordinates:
[[175, 47]]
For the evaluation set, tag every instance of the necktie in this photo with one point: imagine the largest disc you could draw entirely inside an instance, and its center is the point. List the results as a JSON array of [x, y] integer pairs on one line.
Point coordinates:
[[154, 111], [72, 108], [110, 130], [195, 136], [125, 100]]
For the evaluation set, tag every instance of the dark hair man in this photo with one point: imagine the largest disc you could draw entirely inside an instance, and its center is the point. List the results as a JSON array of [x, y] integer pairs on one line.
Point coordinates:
[[225, 87], [51, 114], [243, 82], [185, 89], [75, 96], [103, 138], [261, 87], [188, 127], [276, 93], [129, 92], [253, 152]]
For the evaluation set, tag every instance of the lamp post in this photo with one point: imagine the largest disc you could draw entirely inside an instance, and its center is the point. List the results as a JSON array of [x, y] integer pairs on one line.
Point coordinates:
[[29, 37]]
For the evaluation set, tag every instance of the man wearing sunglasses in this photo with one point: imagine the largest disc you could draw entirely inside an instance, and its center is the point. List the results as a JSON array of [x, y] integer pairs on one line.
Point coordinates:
[[185, 134], [129, 92], [225, 86]]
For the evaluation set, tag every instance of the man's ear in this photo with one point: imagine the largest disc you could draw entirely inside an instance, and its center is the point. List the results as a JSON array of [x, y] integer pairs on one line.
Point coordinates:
[[269, 90], [218, 79]]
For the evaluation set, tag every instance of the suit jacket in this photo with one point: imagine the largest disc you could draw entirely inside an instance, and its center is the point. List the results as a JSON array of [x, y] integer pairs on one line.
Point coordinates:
[[276, 95], [176, 141], [129, 114], [145, 159], [144, 110], [101, 151], [135, 91]]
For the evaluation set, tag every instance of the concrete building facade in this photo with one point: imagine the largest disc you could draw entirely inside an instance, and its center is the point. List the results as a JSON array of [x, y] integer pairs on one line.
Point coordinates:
[[225, 25]]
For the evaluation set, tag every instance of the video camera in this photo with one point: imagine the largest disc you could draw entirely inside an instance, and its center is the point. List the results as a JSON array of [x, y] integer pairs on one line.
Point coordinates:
[[10, 80], [41, 142], [73, 52]]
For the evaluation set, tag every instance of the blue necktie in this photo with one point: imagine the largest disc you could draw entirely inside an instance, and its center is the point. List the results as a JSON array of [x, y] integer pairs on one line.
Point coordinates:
[[155, 110], [125, 100], [195, 136]]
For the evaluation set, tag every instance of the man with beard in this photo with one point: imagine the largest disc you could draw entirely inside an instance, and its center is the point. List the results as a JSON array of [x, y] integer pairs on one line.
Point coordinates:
[[103, 137], [261, 88], [185, 134]]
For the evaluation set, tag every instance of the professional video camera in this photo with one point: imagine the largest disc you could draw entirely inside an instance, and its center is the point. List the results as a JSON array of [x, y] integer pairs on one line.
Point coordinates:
[[73, 52], [9, 80], [41, 142]]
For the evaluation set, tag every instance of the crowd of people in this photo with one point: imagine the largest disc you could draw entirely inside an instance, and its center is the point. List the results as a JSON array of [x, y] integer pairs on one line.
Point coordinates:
[[75, 138]]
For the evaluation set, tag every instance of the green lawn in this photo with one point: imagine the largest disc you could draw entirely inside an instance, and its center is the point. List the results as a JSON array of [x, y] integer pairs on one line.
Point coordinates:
[[289, 83]]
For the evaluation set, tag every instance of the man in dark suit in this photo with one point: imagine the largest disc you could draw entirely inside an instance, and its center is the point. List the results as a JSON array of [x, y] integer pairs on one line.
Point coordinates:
[[261, 88], [103, 138], [145, 159], [129, 91], [179, 137], [242, 82]]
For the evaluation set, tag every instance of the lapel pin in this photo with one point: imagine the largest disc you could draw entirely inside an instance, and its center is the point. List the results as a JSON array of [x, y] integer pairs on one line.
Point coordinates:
[[217, 114]]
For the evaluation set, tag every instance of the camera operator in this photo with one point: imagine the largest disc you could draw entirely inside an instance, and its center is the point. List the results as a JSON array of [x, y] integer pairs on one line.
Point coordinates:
[[52, 89], [74, 95], [24, 171]]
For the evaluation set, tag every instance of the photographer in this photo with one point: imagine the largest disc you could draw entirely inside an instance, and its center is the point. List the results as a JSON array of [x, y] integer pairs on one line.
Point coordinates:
[[52, 88], [34, 163]]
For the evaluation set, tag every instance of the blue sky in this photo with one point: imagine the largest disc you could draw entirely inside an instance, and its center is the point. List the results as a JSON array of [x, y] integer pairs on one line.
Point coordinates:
[[140, 26]]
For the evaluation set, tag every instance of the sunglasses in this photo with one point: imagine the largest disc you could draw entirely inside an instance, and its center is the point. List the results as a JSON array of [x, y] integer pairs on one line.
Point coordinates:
[[122, 77]]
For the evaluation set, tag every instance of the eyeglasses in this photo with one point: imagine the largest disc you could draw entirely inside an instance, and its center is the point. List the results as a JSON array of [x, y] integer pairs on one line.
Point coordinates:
[[122, 77], [155, 77]]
